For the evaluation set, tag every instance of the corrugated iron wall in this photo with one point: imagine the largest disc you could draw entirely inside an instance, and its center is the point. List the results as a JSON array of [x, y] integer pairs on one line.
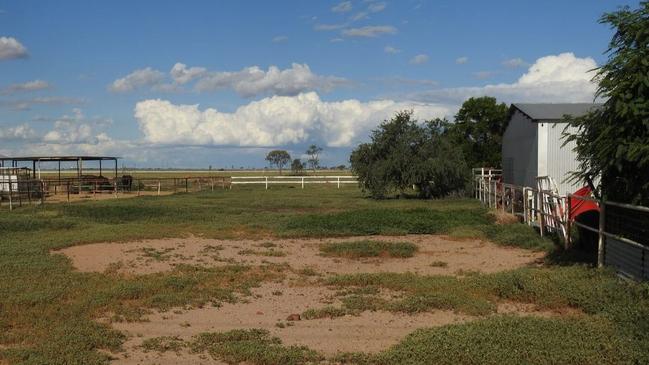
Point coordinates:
[[560, 160]]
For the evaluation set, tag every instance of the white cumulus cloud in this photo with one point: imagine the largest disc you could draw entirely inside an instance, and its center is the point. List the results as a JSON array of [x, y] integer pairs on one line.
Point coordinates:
[[252, 81], [10, 48], [391, 50], [562, 78], [19, 132], [369, 31], [462, 60], [26, 87], [247, 82], [343, 7], [182, 74], [514, 63], [272, 121], [419, 59], [137, 79], [280, 39], [377, 7]]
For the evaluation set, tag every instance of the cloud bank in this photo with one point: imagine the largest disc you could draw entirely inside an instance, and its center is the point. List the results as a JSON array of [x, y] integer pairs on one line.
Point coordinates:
[[562, 78], [247, 82], [273, 121]]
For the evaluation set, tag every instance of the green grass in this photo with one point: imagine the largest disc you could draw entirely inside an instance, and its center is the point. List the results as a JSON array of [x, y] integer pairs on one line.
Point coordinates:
[[614, 325], [163, 344], [254, 346], [48, 310], [508, 340], [268, 253], [368, 248]]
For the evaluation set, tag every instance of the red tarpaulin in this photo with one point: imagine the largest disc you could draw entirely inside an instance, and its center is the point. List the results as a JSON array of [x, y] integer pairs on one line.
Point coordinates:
[[579, 206]]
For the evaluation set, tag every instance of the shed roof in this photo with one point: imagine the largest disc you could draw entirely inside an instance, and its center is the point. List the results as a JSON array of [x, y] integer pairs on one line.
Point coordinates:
[[57, 158], [553, 111]]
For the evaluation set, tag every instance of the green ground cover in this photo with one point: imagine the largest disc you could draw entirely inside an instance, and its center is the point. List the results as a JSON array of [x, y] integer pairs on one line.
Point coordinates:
[[48, 310]]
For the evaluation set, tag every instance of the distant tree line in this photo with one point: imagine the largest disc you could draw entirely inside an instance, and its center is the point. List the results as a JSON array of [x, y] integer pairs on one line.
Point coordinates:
[[281, 158]]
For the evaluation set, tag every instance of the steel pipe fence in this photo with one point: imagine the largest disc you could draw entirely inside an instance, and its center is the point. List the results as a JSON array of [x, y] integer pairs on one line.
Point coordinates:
[[622, 229]]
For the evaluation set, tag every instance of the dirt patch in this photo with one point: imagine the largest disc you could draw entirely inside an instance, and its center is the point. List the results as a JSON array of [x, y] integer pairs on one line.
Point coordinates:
[[268, 309], [436, 255], [271, 305]]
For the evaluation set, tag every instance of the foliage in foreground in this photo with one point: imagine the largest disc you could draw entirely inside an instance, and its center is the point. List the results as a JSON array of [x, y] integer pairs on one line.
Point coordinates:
[[612, 142], [368, 248], [404, 153]]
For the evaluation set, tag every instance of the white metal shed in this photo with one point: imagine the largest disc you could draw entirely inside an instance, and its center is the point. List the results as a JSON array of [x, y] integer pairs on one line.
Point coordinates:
[[532, 144]]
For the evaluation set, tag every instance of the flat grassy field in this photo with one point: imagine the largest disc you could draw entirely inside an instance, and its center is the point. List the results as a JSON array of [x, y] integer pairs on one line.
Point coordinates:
[[53, 312]]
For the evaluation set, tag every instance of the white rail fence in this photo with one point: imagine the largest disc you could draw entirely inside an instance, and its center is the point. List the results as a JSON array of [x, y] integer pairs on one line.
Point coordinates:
[[292, 180], [622, 229]]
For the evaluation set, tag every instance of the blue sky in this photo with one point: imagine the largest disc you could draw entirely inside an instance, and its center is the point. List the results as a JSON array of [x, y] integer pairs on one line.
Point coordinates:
[[198, 83]]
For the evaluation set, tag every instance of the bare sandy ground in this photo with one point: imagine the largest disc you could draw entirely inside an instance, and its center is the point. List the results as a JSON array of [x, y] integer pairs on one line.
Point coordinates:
[[272, 303], [368, 332], [437, 255]]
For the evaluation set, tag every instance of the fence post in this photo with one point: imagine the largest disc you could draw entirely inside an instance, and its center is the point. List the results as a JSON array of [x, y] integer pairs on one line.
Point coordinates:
[[212, 182], [68, 191], [338, 182], [540, 211], [186, 185], [115, 184], [525, 205], [11, 207], [601, 240], [266, 182], [42, 193], [488, 193], [568, 221], [138, 188], [302, 182], [158, 187]]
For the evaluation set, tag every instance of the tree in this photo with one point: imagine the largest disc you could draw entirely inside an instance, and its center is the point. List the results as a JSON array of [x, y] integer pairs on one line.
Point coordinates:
[[278, 158], [297, 167], [612, 142], [478, 129], [403, 153], [314, 156]]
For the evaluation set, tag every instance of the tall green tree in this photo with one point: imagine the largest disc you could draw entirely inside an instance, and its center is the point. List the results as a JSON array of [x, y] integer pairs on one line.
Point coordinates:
[[279, 158], [612, 142], [478, 130], [403, 153], [314, 156]]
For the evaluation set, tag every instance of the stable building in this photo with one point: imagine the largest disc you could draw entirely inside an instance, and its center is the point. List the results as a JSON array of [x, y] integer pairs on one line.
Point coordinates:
[[532, 145]]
